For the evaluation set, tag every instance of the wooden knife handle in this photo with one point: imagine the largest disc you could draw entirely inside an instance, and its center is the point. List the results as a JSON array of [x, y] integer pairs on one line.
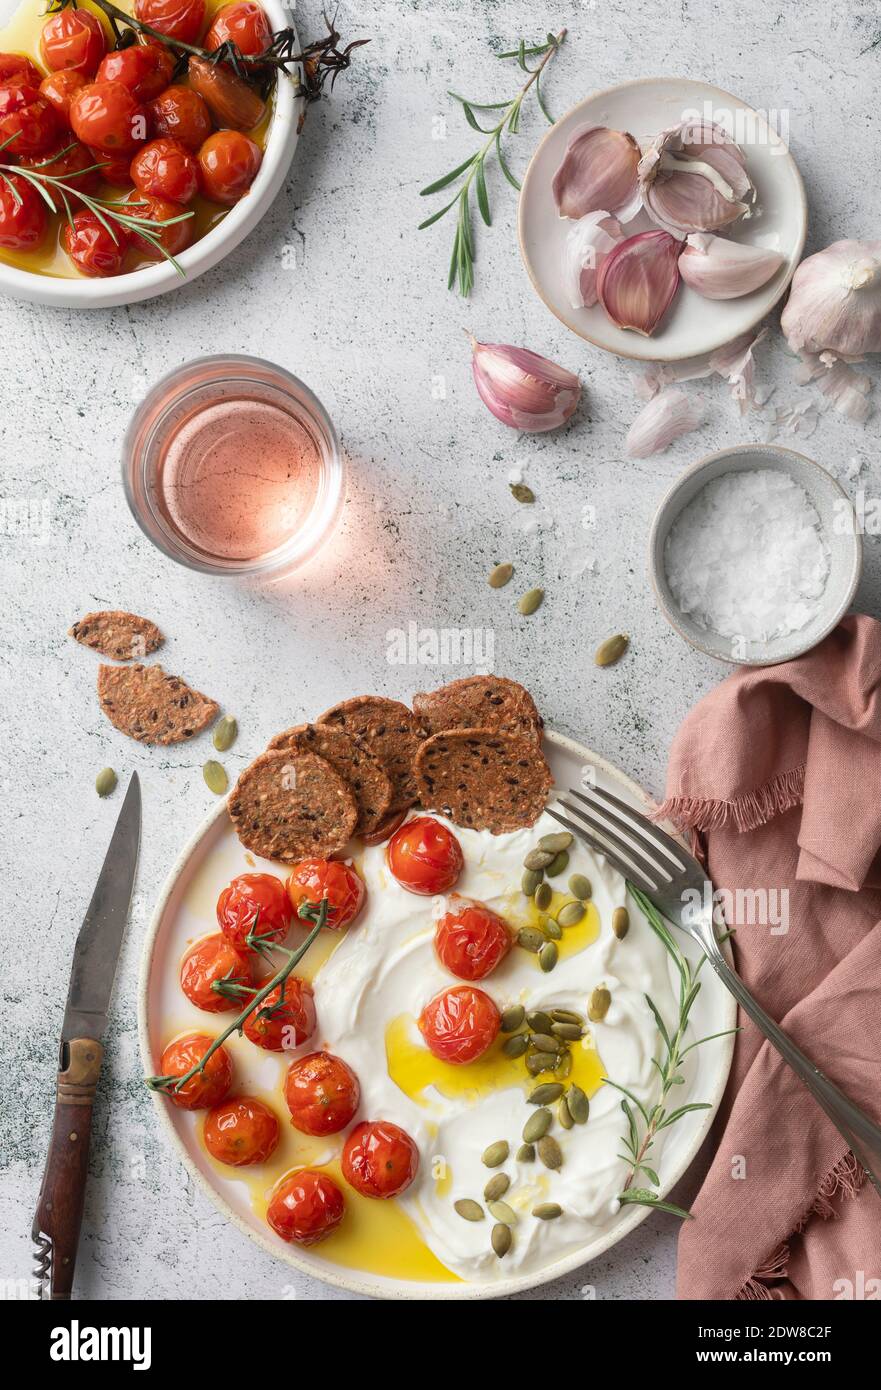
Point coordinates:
[[60, 1207]]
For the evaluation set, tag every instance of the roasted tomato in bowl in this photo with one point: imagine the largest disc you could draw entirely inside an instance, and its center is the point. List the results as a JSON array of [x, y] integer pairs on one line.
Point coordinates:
[[23, 218], [242, 23], [204, 1088], [306, 1207], [379, 1159], [177, 19], [471, 940], [73, 40], [241, 1131], [27, 120], [425, 857], [322, 1093], [312, 880], [459, 1024], [211, 966], [285, 1019], [254, 903]]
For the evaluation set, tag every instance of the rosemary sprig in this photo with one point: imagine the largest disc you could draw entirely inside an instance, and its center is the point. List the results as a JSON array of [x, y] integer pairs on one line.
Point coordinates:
[[640, 1138], [473, 170], [307, 912]]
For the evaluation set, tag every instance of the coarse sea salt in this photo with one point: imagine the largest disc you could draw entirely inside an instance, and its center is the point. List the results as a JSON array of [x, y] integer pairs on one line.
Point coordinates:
[[747, 557]]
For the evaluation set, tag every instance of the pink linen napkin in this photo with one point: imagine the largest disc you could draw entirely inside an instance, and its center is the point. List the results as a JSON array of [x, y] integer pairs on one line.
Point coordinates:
[[778, 773]]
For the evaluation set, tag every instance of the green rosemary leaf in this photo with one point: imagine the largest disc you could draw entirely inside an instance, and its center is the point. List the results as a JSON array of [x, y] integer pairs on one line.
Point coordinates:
[[644, 1197], [650, 1174], [473, 121], [454, 261], [36, 182], [514, 119], [16, 196], [482, 199], [726, 1032], [521, 55], [447, 178], [541, 101], [503, 164], [480, 105], [660, 1025], [436, 216], [630, 1096]]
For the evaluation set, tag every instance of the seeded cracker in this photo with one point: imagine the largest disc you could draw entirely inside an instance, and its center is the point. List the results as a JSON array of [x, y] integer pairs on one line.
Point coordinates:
[[117, 635], [390, 731], [480, 702], [290, 805], [353, 761], [152, 707], [485, 779]]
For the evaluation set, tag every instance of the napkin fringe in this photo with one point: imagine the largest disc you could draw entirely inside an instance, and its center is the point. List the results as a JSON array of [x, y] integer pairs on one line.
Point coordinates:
[[746, 812]]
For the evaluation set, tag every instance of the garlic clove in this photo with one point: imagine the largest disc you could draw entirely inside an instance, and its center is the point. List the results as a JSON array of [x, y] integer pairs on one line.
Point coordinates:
[[665, 418], [835, 301], [587, 245], [720, 269], [638, 279], [598, 171], [693, 178], [522, 389]]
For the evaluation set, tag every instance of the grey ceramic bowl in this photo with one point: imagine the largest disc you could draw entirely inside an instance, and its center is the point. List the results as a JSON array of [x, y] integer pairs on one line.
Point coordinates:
[[840, 529]]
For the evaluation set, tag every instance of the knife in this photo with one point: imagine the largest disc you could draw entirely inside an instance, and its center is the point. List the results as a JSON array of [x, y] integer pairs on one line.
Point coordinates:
[[56, 1225]]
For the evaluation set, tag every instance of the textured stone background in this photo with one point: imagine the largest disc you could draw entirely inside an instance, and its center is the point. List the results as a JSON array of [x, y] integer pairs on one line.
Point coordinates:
[[366, 320]]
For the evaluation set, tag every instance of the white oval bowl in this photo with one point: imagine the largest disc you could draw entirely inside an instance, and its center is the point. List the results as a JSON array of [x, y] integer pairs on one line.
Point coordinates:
[[83, 293]]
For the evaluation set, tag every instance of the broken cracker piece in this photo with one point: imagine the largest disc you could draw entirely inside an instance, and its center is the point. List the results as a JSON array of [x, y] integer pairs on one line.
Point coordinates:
[[151, 706], [118, 635]]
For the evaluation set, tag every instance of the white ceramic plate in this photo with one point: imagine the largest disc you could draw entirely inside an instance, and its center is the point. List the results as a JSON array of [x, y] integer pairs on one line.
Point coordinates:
[[693, 324], [82, 293], [186, 910]]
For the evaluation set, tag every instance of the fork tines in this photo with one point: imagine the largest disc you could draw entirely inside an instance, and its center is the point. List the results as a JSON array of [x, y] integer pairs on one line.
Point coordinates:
[[638, 849]]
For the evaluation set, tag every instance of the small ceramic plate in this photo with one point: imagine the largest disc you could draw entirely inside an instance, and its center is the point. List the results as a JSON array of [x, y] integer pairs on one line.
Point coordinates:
[[840, 530], [693, 324]]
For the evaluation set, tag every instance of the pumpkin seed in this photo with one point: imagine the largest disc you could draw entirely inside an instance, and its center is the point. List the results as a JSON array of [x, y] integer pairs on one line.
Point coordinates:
[[545, 1093], [537, 859], [521, 492], [537, 1126], [468, 1209], [538, 1021], [541, 1061], [496, 1154], [581, 887], [570, 1031], [565, 1016], [559, 864], [516, 1045], [225, 733], [530, 939], [215, 777], [544, 1042], [552, 929], [620, 922], [564, 1066], [496, 1187], [503, 1213], [598, 1005], [578, 1103], [512, 1017], [530, 881], [543, 894], [548, 956], [558, 840], [501, 1239], [610, 651], [106, 781], [549, 1152], [500, 575], [525, 1154], [570, 914], [547, 1211], [563, 1114], [531, 601]]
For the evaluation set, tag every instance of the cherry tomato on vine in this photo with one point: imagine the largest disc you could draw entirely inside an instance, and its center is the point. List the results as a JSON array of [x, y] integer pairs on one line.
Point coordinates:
[[425, 857], [306, 1207], [314, 879], [145, 68], [22, 218], [167, 169], [177, 19], [206, 963], [470, 940], [58, 89], [379, 1159], [68, 163], [240, 1131], [105, 116], [17, 67], [179, 113], [280, 1027], [322, 1093], [242, 23], [73, 39], [206, 1088], [228, 165], [29, 118], [250, 899], [92, 247], [459, 1024]]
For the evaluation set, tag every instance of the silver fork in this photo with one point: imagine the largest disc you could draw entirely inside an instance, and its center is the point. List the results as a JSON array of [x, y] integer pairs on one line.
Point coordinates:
[[658, 865]]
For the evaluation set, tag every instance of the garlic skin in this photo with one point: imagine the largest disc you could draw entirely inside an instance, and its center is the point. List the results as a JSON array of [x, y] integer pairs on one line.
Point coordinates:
[[522, 389], [720, 269], [587, 245], [693, 178], [835, 301], [665, 418], [638, 279], [598, 171]]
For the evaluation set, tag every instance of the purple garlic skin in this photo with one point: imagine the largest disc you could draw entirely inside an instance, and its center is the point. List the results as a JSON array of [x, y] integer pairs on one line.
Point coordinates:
[[638, 280], [522, 389], [721, 269], [587, 245], [834, 303], [598, 172], [693, 178]]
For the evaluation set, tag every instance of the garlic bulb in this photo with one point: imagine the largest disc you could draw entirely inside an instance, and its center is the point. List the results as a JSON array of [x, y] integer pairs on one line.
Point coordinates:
[[693, 178], [598, 171], [835, 301], [720, 269], [638, 279], [665, 418], [521, 388], [587, 245]]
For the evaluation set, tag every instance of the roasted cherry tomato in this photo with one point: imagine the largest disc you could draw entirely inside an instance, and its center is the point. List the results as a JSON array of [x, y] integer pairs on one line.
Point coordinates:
[[280, 1026], [180, 114], [17, 67], [459, 1024], [255, 902], [379, 1159], [58, 89], [233, 102], [73, 39], [167, 169], [240, 1131], [425, 857], [177, 19], [145, 68], [29, 118], [470, 940], [242, 23], [67, 162], [322, 1093], [22, 218], [206, 1088], [207, 963], [175, 236], [94, 250], [385, 829], [306, 1207], [114, 168], [314, 879], [105, 116], [228, 165]]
